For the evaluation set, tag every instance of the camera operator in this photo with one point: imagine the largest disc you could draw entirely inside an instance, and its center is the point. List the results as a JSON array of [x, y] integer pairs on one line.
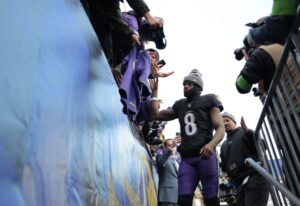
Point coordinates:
[[271, 29], [259, 68], [251, 188]]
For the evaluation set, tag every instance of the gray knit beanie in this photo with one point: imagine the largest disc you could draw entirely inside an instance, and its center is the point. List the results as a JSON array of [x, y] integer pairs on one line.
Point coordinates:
[[196, 77], [230, 116]]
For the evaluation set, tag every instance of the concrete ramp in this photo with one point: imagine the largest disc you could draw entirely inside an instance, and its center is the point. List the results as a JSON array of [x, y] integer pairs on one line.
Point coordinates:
[[63, 137]]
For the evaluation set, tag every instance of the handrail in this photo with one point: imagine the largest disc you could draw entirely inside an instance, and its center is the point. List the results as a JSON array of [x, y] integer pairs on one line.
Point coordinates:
[[279, 69], [271, 91], [280, 120], [271, 180]]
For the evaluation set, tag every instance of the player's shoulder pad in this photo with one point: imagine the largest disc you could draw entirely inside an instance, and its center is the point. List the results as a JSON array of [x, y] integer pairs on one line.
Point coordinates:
[[181, 100], [212, 96]]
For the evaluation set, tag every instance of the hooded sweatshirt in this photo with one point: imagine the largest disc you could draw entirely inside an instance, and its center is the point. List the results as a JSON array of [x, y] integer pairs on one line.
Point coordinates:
[[235, 149]]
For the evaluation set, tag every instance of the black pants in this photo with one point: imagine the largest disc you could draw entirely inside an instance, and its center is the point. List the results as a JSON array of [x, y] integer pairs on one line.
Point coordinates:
[[254, 192], [113, 33]]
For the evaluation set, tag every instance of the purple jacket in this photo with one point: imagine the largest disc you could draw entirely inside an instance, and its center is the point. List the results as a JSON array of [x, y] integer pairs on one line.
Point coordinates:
[[134, 87], [131, 21]]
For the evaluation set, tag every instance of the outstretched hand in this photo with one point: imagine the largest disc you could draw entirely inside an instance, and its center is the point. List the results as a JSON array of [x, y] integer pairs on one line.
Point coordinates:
[[164, 74], [156, 72], [154, 84]]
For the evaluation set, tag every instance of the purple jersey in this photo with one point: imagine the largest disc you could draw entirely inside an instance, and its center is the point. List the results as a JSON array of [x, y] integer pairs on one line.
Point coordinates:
[[135, 85]]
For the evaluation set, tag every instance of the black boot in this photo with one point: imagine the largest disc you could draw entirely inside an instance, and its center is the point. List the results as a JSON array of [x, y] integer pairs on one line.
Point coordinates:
[[212, 202], [185, 200]]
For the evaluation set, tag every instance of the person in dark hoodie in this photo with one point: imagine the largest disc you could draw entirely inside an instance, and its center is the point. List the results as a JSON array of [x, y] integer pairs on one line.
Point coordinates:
[[259, 68], [251, 188], [199, 115]]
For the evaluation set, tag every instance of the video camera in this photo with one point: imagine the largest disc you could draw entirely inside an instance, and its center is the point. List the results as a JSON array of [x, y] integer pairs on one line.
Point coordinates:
[[157, 127], [239, 51], [149, 33], [227, 191]]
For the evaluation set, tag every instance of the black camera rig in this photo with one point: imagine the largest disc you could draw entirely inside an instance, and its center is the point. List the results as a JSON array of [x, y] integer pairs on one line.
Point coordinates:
[[227, 192], [149, 33]]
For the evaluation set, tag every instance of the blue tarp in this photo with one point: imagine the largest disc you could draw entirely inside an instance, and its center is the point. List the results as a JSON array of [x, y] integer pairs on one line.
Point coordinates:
[[63, 137]]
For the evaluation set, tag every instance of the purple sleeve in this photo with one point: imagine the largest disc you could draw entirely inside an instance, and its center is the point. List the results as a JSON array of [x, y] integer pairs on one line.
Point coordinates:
[[131, 21]]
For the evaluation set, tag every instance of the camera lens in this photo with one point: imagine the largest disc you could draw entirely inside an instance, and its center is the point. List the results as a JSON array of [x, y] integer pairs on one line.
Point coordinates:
[[239, 54], [156, 35]]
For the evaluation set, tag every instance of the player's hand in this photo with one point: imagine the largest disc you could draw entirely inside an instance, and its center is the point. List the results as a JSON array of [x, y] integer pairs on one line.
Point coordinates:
[[206, 151]]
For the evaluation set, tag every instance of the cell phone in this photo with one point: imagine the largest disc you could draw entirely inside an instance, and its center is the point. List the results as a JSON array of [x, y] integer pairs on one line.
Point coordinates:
[[177, 133], [161, 63]]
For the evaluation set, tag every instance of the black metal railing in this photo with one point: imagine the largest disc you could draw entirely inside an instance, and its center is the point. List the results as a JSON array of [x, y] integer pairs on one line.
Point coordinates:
[[292, 198], [279, 126]]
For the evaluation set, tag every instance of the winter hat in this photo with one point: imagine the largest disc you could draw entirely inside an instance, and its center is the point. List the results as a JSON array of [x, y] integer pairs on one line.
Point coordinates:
[[196, 77], [230, 116]]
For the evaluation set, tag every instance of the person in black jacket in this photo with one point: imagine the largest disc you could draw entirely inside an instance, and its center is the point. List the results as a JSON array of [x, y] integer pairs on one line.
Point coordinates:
[[112, 31], [259, 68], [251, 188]]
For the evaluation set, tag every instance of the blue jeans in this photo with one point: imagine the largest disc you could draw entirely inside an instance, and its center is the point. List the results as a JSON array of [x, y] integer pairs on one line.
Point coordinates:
[[275, 30]]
